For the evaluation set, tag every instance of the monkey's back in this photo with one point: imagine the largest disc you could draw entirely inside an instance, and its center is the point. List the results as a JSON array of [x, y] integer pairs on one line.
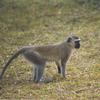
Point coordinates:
[[53, 52], [48, 52]]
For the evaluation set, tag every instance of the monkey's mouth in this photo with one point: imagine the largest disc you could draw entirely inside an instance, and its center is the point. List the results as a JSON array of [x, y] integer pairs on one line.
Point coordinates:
[[77, 46]]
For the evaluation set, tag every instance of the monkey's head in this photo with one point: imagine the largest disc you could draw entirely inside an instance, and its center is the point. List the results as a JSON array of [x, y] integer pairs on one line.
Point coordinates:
[[75, 41]]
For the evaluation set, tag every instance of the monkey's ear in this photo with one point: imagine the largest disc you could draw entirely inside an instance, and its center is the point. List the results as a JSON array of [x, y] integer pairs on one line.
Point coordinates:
[[69, 39]]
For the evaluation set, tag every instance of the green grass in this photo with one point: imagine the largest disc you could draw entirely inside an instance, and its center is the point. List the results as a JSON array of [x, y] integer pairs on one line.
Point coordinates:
[[34, 22]]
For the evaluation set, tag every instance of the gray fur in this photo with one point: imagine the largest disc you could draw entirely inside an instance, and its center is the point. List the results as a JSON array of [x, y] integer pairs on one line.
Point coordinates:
[[39, 55]]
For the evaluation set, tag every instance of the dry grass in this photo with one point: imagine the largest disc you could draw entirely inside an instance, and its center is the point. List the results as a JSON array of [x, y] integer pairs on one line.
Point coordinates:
[[37, 22]]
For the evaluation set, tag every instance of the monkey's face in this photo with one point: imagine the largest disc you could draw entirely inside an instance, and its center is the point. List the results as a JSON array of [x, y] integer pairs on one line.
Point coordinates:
[[77, 44], [75, 41]]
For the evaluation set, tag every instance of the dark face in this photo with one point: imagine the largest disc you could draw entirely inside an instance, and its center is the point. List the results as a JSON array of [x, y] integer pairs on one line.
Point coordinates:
[[76, 40], [77, 44]]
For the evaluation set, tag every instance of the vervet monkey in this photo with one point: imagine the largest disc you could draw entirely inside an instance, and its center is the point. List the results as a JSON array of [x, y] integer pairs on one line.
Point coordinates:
[[39, 55]]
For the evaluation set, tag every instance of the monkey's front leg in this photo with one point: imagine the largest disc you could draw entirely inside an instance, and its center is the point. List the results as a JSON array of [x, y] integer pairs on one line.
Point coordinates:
[[58, 67], [63, 66]]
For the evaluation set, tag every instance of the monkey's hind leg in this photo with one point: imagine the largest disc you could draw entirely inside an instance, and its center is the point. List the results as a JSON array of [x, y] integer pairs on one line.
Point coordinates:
[[34, 73], [39, 69]]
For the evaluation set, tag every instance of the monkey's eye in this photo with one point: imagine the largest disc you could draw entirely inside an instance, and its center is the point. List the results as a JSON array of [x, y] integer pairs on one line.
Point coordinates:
[[77, 42]]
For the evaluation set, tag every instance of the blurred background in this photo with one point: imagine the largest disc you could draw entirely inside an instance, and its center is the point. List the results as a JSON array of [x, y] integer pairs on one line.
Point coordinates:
[[41, 22]]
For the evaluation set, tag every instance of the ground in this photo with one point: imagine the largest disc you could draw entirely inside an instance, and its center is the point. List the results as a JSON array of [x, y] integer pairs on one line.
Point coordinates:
[[38, 23]]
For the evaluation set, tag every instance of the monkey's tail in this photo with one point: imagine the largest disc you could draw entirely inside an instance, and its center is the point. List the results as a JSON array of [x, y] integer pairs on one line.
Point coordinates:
[[10, 60]]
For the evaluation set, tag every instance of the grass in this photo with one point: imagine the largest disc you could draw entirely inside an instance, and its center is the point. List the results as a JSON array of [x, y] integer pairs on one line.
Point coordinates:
[[36, 23]]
